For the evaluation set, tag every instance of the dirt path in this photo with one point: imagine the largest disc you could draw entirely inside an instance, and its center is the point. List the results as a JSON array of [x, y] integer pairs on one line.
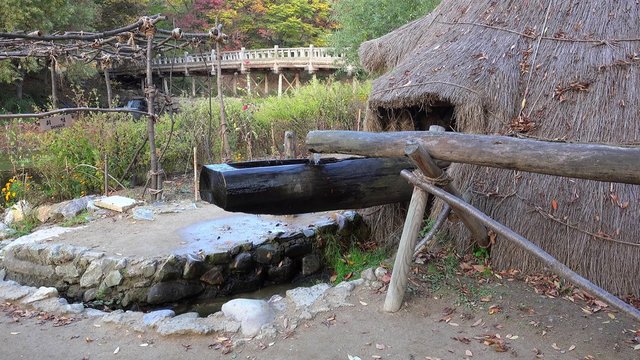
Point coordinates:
[[429, 326]]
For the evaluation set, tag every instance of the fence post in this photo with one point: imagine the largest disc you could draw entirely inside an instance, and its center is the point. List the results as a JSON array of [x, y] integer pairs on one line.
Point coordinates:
[[289, 144]]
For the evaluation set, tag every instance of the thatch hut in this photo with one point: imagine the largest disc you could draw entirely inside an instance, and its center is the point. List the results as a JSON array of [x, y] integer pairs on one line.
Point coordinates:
[[554, 70]]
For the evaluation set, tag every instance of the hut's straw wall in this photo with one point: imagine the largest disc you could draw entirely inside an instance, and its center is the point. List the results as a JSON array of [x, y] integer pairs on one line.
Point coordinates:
[[577, 83]]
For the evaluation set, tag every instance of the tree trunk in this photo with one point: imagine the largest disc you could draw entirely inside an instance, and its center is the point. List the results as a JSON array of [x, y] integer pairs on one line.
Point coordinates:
[[19, 88], [585, 161]]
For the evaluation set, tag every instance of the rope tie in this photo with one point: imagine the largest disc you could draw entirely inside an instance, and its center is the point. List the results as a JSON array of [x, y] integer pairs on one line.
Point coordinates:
[[441, 181], [147, 27]]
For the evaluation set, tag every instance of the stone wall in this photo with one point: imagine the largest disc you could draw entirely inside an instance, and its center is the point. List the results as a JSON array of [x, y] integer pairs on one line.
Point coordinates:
[[119, 281]]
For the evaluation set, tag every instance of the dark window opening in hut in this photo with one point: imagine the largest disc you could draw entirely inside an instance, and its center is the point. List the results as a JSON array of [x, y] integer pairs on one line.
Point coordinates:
[[420, 118]]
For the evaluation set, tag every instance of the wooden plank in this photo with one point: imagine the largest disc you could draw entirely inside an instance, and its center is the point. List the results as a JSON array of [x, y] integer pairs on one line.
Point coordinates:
[[404, 257], [556, 266], [56, 122], [585, 161]]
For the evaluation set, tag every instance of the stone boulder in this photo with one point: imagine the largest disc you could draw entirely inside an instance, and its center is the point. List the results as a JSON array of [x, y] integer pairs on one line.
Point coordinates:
[[252, 314]]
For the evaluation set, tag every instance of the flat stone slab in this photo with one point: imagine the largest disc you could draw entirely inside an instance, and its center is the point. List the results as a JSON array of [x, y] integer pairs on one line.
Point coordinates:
[[116, 203]]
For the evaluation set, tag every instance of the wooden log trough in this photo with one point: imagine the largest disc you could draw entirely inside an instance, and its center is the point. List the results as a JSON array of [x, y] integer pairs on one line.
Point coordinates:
[[281, 187]]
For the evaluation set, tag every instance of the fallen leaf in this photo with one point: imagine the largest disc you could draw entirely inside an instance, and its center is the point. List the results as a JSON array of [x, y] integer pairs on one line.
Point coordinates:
[[376, 356], [333, 278], [380, 346], [363, 303], [478, 322], [348, 276], [494, 309], [485, 299], [637, 347], [555, 347], [88, 339], [572, 347], [354, 357], [611, 315], [144, 344], [117, 350], [15, 333], [468, 353], [554, 204], [454, 324]]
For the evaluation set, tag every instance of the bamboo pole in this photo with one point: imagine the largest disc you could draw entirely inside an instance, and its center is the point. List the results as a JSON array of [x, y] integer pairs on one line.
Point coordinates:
[[585, 161], [150, 92], [556, 266], [404, 257]]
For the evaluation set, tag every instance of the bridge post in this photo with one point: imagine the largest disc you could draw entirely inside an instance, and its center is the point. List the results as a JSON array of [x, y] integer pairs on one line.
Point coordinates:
[[310, 66], [296, 79], [280, 75], [249, 83], [242, 67], [266, 83], [276, 67], [193, 86], [235, 83]]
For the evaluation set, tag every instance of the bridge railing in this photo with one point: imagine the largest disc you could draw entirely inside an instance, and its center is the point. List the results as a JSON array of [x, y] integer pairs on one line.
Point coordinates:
[[242, 55]]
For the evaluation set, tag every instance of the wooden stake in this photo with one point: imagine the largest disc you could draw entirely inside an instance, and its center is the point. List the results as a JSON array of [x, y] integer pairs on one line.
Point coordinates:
[[54, 91], [553, 264], [404, 257], [195, 173], [106, 175], [107, 80], [426, 240], [289, 145]]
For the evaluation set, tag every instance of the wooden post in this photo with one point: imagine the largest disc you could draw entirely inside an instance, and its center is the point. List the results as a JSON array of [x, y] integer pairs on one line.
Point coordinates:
[[195, 173], [150, 91], [296, 79], [106, 175], [404, 257], [266, 84], [235, 84], [165, 85], [226, 148], [107, 80], [556, 266], [249, 83], [54, 91], [193, 86], [274, 147], [289, 145]]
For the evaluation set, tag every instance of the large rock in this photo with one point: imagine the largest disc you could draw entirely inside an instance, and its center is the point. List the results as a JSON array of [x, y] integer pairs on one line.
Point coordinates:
[[252, 314], [93, 275], [172, 291], [17, 212], [298, 249], [153, 318], [267, 254], [113, 278], [310, 264], [193, 268], [283, 271], [5, 231], [41, 294], [305, 296], [215, 276], [12, 291], [185, 324], [63, 210], [170, 269], [242, 263]]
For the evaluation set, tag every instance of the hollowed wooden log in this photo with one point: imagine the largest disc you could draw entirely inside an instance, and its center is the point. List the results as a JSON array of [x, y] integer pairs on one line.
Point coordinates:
[[297, 186]]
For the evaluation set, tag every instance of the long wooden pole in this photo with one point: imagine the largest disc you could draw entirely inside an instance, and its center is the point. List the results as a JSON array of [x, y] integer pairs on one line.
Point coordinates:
[[556, 266], [585, 161], [226, 149], [54, 90], [404, 257], [150, 92], [107, 80]]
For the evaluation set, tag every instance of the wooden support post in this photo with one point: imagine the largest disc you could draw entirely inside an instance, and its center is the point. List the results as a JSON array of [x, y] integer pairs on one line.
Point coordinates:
[[150, 91], [195, 173], [106, 175], [280, 75], [266, 84], [107, 80], [404, 257], [423, 161], [193, 86], [249, 83], [143, 84], [165, 86], [289, 145], [54, 91], [426, 240], [552, 263], [235, 84], [296, 80]]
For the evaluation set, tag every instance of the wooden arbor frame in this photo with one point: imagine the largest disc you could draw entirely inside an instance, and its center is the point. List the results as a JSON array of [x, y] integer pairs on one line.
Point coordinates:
[[586, 161]]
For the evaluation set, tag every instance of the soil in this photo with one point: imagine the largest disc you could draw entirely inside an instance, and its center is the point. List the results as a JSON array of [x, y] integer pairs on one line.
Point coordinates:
[[503, 320]]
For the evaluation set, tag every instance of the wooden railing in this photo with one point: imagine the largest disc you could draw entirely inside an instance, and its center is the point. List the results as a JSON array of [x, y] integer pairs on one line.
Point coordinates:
[[309, 58]]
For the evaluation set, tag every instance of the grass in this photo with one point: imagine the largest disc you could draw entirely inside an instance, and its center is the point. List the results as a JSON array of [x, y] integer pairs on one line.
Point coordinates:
[[26, 226], [348, 264], [79, 219]]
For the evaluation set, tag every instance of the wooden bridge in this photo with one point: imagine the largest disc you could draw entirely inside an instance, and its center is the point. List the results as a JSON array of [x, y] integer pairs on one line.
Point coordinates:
[[245, 69]]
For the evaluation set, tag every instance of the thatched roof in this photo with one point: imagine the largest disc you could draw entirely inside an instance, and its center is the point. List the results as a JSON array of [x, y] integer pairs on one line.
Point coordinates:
[[545, 69]]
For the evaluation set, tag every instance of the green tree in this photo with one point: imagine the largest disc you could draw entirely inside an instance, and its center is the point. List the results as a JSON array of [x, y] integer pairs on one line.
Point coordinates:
[[362, 20]]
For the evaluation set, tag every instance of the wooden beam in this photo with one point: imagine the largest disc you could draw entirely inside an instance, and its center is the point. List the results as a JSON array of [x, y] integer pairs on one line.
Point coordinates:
[[552, 263], [585, 161]]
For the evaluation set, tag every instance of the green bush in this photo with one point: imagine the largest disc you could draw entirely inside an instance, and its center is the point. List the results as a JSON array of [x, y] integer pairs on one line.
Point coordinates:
[[69, 162]]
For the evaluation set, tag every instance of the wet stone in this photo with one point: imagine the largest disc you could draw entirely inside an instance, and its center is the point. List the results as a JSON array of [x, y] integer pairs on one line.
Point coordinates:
[[298, 249], [151, 319], [170, 269], [214, 276], [218, 258], [309, 232], [282, 272], [242, 263], [114, 278], [267, 254], [193, 268], [310, 264], [172, 291]]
